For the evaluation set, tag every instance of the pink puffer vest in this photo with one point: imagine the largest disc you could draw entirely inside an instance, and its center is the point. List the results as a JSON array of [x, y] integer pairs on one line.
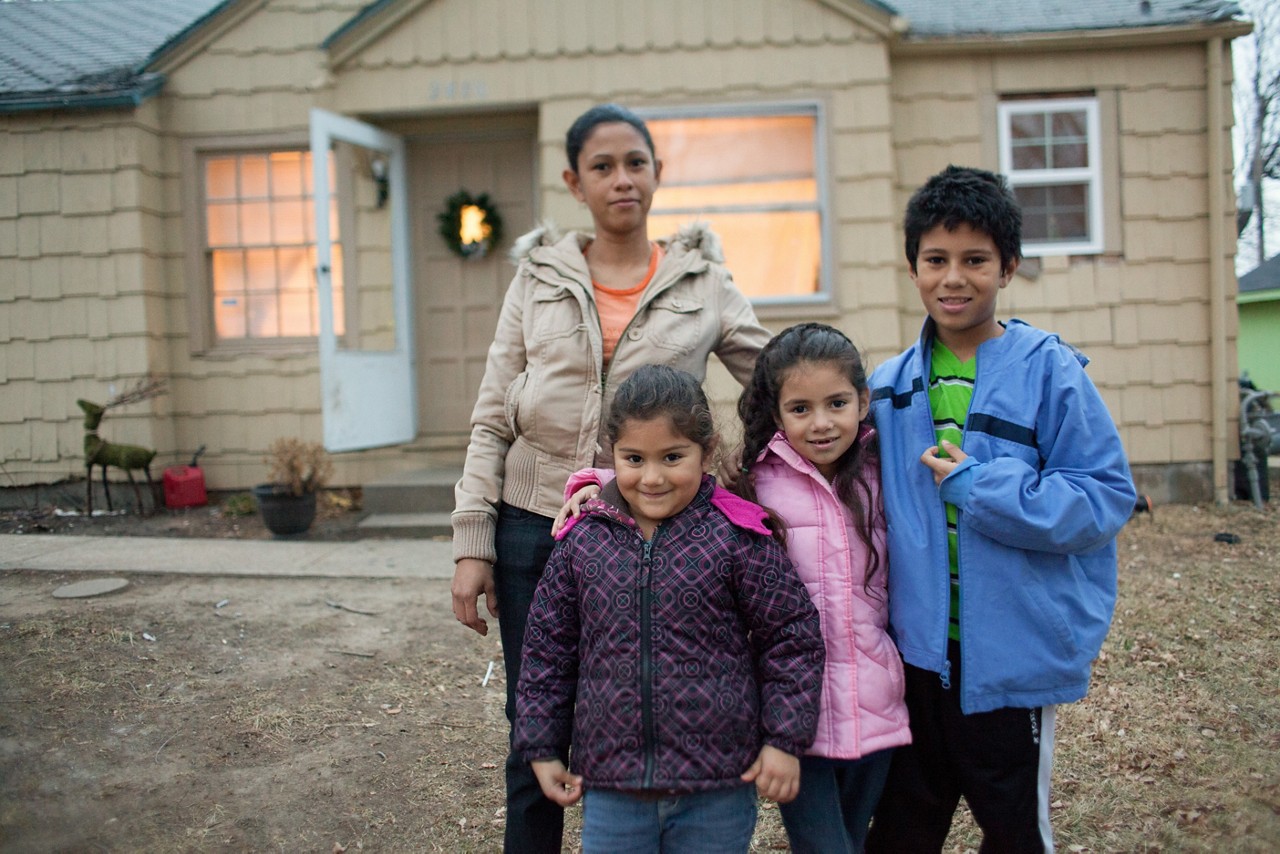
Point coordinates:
[[862, 691]]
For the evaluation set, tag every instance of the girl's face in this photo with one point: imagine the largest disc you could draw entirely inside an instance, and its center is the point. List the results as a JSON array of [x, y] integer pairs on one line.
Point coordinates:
[[819, 410], [616, 178], [659, 471]]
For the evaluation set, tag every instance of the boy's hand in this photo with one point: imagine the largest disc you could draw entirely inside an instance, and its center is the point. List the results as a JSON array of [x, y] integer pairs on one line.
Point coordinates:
[[776, 774], [943, 466], [557, 783], [573, 507]]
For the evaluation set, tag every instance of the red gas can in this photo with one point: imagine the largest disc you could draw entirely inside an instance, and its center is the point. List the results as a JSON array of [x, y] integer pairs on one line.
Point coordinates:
[[184, 485]]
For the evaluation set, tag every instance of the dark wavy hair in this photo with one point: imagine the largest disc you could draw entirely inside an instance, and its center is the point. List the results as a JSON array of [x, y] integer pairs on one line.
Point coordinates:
[[654, 391], [759, 409], [580, 131], [962, 195]]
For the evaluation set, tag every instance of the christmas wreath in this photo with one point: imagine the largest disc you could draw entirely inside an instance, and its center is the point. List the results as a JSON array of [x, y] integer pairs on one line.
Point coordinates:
[[470, 225]]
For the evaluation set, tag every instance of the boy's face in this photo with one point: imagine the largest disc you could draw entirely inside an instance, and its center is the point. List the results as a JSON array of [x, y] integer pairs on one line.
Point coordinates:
[[959, 276]]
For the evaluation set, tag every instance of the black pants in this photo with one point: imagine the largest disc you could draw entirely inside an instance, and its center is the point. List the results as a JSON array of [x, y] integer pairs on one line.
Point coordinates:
[[534, 824], [999, 761]]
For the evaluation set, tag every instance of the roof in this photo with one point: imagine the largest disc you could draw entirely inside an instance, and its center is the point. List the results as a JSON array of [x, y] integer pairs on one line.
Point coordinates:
[[62, 54], [1264, 277], [930, 18], [58, 54]]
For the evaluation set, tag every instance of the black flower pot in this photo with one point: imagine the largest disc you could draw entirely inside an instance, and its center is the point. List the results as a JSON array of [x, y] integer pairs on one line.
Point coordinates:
[[282, 512]]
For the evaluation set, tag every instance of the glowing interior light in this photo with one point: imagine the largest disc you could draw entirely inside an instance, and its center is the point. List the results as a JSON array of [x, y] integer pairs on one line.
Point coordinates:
[[474, 229]]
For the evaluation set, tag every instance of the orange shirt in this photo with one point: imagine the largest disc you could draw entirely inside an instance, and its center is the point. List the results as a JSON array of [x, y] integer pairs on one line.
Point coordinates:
[[617, 307]]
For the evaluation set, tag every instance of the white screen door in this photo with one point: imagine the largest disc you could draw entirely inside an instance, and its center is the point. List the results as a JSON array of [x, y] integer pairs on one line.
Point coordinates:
[[362, 274]]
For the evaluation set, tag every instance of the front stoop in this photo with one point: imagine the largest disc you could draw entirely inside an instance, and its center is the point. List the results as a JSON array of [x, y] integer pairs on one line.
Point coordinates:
[[410, 503]]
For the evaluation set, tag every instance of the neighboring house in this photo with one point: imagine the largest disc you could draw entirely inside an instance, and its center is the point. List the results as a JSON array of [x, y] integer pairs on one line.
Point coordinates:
[[157, 195], [1259, 336]]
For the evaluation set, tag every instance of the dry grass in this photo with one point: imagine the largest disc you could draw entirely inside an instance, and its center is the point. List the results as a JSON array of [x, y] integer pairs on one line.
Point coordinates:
[[1177, 747], [243, 729]]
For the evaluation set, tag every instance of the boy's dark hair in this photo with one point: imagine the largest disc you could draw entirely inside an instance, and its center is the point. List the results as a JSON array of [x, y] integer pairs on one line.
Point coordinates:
[[759, 409], [576, 137], [655, 391], [963, 195]]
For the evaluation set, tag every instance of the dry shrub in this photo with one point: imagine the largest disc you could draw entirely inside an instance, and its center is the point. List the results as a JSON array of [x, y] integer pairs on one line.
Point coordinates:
[[298, 467]]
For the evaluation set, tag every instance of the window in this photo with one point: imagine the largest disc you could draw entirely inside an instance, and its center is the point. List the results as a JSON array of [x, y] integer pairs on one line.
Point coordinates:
[[1050, 152], [258, 242], [755, 176]]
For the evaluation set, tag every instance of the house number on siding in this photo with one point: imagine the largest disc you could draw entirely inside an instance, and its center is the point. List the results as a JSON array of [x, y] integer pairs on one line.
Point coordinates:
[[465, 90]]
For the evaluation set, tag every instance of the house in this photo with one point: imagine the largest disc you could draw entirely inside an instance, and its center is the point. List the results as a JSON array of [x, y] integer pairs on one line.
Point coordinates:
[[1259, 337], [161, 211]]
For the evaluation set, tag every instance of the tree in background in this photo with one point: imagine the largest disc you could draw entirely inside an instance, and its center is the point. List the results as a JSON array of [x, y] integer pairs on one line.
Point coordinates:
[[1257, 131]]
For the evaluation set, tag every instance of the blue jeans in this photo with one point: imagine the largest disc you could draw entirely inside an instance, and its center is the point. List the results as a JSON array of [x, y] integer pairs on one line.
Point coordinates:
[[837, 798], [523, 542], [719, 822]]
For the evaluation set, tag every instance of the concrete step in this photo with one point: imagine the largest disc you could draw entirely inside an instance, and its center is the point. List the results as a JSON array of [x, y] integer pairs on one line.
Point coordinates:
[[406, 525], [422, 491]]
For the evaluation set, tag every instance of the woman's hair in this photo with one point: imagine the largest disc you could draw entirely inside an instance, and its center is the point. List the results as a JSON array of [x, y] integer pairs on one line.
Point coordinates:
[[758, 407], [580, 131], [656, 391]]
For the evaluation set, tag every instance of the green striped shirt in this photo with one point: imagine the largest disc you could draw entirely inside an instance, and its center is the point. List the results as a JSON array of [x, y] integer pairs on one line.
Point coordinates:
[[950, 391]]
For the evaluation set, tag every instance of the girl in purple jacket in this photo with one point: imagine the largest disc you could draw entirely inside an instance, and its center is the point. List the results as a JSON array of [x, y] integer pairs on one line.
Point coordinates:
[[813, 460], [671, 641]]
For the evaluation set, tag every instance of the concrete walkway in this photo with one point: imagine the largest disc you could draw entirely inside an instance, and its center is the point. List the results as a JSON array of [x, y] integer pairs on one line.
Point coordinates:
[[371, 558]]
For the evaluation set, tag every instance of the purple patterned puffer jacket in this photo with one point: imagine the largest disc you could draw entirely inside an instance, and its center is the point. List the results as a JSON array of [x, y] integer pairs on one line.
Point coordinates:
[[673, 662]]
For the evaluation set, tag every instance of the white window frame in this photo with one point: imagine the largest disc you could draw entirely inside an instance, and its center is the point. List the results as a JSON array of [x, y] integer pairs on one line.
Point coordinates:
[[1090, 175], [826, 257], [202, 336]]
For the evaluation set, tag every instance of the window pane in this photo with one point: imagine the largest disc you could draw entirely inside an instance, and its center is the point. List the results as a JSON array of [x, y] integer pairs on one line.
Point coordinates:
[[1069, 125], [253, 177], [260, 270], [220, 178], [228, 317], [222, 222], [255, 222], [1074, 155], [1027, 126], [296, 270], [228, 272], [289, 221], [1054, 214], [753, 178], [286, 173], [264, 319], [296, 313], [1028, 156]]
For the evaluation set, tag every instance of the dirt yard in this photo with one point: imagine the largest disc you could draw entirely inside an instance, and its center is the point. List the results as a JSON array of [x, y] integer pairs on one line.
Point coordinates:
[[202, 714]]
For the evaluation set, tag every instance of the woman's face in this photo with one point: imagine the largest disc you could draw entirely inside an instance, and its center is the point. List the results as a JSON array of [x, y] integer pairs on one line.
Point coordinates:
[[616, 178]]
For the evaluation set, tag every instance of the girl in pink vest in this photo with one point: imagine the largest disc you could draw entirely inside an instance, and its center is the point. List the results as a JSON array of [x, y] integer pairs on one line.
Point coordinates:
[[812, 459]]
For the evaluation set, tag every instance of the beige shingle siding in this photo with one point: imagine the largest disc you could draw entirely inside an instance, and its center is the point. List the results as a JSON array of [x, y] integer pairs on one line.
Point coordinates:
[[1142, 316]]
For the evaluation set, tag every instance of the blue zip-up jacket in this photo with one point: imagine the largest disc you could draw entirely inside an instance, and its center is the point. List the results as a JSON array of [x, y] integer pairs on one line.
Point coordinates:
[[1041, 497]]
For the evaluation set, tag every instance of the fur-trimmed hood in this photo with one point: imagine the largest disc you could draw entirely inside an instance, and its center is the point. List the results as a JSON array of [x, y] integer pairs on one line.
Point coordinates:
[[695, 236]]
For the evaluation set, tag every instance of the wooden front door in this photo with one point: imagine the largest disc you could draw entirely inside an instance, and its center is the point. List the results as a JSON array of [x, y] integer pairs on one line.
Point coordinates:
[[458, 299]]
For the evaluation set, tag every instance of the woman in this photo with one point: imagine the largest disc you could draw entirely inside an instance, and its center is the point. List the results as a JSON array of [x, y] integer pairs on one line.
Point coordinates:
[[583, 312]]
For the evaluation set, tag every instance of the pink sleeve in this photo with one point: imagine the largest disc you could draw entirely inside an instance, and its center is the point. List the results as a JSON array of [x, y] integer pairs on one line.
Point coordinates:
[[586, 477]]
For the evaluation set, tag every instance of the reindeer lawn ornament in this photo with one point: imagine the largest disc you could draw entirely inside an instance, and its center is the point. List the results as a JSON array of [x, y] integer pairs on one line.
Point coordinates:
[[98, 451]]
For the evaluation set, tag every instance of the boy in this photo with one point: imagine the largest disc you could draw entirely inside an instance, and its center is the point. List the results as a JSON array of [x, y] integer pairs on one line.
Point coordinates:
[[1022, 522]]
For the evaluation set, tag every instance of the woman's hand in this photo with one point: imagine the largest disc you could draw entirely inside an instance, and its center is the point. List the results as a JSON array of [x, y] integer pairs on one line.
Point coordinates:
[[573, 507], [776, 774], [473, 577]]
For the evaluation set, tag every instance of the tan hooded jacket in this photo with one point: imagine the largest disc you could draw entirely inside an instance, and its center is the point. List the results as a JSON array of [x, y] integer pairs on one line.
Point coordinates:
[[539, 416]]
